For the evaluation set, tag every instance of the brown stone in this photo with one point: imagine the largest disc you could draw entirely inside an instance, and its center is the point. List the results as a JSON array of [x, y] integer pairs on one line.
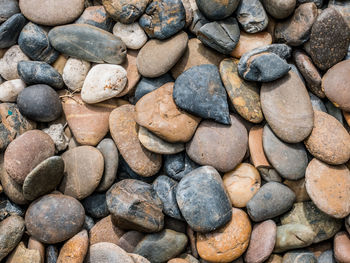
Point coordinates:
[[124, 131], [342, 247], [60, 63], [75, 249], [328, 187], [23, 255], [129, 240], [158, 112], [105, 231], [275, 258], [328, 141], [343, 7], [256, 150], [133, 74], [37, 245], [177, 260], [105, 252], [228, 242], [298, 187], [248, 42]]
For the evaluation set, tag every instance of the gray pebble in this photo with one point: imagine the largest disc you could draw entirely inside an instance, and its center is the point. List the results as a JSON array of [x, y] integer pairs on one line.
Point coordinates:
[[252, 16]]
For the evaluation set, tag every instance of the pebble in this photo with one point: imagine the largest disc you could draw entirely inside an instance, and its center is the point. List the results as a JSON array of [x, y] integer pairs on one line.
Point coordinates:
[[81, 41], [8, 63], [162, 246], [279, 9], [9, 209], [198, 20], [178, 260], [56, 132], [217, 10], [299, 256], [252, 16], [75, 249], [8, 8], [218, 145], [105, 252], [23, 255], [274, 258], [105, 231], [83, 169], [138, 259], [287, 108], [214, 210], [256, 151], [342, 247], [326, 257], [95, 205], [10, 29], [129, 240], [51, 254], [75, 72], [131, 34], [125, 11], [328, 186], [178, 165], [133, 75], [125, 172], [51, 12], [163, 18], [10, 89], [147, 85], [39, 103], [35, 72], [298, 187], [96, 16], [329, 39], [157, 57], [42, 218], [272, 199]]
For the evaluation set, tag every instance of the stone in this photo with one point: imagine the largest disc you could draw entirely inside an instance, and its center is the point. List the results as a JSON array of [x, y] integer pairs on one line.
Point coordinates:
[[51, 254], [60, 63], [138, 259], [8, 63], [252, 16], [273, 199], [39, 103], [342, 7], [111, 160], [329, 39], [96, 16], [10, 89], [279, 9], [104, 81], [56, 132], [81, 41], [147, 85], [9, 209], [326, 257], [332, 148], [135, 205], [322, 180], [299, 256], [105, 252], [95, 205], [124, 129], [10, 30], [75, 249], [157, 57], [342, 247], [75, 72], [83, 169], [129, 240], [131, 34], [125, 11], [161, 246], [125, 172], [298, 187], [51, 212], [35, 72], [198, 20], [218, 145], [318, 3], [222, 35], [23, 255], [177, 260], [176, 225], [34, 244], [11, 231], [52, 13], [287, 108], [214, 210], [296, 30], [274, 258], [163, 18], [256, 150], [8, 8], [189, 12], [217, 10], [88, 223], [334, 111], [105, 231], [178, 165], [133, 75], [34, 42]]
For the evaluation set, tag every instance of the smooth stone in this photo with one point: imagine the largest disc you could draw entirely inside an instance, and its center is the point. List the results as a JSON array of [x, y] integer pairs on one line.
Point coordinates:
[[9, 209], [51, 254], [147, 85], [129, 240], [189, 11], [125, 11], [138, 259], [296, 30], [23, 255], [96, 16], [298, 187], [95, 205], [135, 205], [279, 9], [199, 91], [105, 252], [217, 10], [332, 148], [8, 8], [157, 57], [158, 112], [214, 210], [198, 20], [131, 34], [287, 108], [60, 63], [326, 257], [10, 89], [105, 231], [163, 18], [111, 160], [8, 63], [10, 30], [165, 187], [124, 129], [299, 256], [38, 246], [223, 35], [272, 199], [83, 169], [242, 184], [162, 246], [178, 165], [329, 39], [75, 72], [252, 16], [51, 212], [35, 43], [342, 247], [218, 145], [75, 249], [228, 242], [51, 13], [176, 225], [307, 213], [11, 231], [56, 132], [256, 150], [328, 187], [35, 72], [342, 7], [39, 103], [81, 41], [43, 178]]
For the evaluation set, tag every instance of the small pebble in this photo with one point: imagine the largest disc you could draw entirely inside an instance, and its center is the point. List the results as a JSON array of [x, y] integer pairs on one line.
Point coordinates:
[[75, 72], [125, 11], [9, 62], [131, 34], [217, 10]]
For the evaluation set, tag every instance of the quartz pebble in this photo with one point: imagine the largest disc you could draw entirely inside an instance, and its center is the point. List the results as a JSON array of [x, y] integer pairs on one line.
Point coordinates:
[[131, 34], [75, 72]]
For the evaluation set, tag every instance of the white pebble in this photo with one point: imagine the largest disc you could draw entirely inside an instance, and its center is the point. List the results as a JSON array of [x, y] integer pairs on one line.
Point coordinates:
[[8, 64], [56, 132], [10, 89], [132, 34], [74, 73]]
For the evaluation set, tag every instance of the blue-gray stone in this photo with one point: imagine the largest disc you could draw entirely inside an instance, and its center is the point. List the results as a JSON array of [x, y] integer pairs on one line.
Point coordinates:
[[198, 21], [334, 111], [96, 16], [7, 9], [178, 165], [199, 91], [10, 29], [317, 103], [95, 205], [7, 208], [88, 223], [217, 10], [252, 16]]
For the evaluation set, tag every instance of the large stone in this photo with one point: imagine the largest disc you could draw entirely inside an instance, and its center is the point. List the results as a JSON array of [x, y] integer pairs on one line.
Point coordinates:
[[125, 11], [217, 10], [105, 252], [252, 16], [10, 29], [75, 249], [8, 63]]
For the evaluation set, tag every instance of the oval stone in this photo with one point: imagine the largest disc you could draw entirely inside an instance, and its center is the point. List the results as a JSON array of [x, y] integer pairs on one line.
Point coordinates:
[[95, 205], [279, 9], [105, 252], [217, 10], [131, 34], [8, 63], [10, 29]]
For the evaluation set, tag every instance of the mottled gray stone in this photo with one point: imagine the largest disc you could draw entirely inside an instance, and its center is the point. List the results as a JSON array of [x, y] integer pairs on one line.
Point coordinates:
[[252, 16], [8, 8]]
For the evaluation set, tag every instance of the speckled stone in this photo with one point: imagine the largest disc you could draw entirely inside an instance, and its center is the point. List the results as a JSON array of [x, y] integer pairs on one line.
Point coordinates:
[[252, 16], [95, 205], [217, 10], [178, 165], [51, 254], [96, 16], [10, 29], [342, 7], [125, 11], [8, 63], [105, 252], [279, 9], [8, 8]]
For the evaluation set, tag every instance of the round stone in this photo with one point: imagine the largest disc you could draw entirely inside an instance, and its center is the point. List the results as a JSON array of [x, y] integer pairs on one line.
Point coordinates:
[[217, 10], [96, 16], [342, 247], [279, 9], [252, 16], [75, 72], [52, 212], [10, 89], [9, 62], [248, 42], [131, 34], [75, 249], [12, 189], [125, 11], [105, 252]]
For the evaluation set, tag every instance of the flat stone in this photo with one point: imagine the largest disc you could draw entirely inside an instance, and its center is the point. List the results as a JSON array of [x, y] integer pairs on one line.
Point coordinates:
[[342, 247], [52, 13], [8, 8], [342, 7], [131, 34], [273, 199], [125, 11], [75, 72], [252, 16], [105, 252], [157, 57], [214, 210], [51, 212], [299, 256], [298, 187], [96, 16], [75, 249], [287, 108], [81, 41], [218, 145], [10, 89], [248, 42], [322, 181], [147, 85], [8, 63], [10, 29], [105, 231], [279, 9], [23, 255], [217, 10], [133, 75], [178, 165], [95, 205], [129, 240]]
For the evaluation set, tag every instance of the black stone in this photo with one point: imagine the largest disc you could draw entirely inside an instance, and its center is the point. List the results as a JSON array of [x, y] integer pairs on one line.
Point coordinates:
[[51, 254], [252, 16], [96, 16], [36, 72], [7, 208], [217, 10], [199, 91], [175, 224], [39, 103], [7, 9], [95, 205], [178, 165], [10, 29], [88, 223]]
